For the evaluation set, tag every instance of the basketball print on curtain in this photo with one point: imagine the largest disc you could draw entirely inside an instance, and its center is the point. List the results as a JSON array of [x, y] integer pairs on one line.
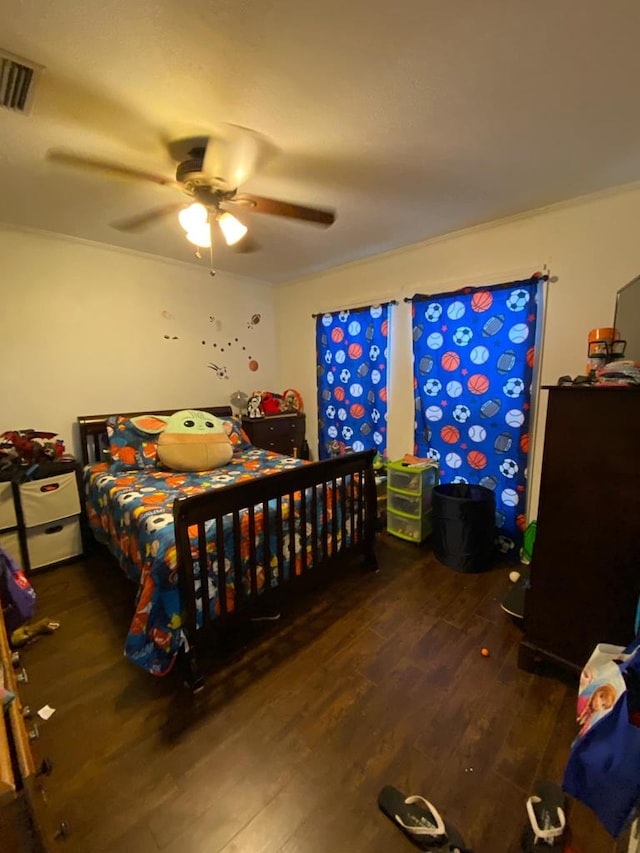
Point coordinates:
[[473, 364], [352, 351]]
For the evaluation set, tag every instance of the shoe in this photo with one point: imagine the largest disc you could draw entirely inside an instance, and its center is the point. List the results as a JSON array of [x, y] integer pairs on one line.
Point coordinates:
[[547, 822], [420, 821]]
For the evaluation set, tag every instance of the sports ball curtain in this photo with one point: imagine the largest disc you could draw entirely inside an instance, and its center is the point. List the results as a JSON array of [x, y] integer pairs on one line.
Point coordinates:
[[473, 363], [352, 350]]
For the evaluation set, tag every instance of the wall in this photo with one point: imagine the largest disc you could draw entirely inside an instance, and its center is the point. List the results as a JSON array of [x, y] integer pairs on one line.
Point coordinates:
[[89, 329], [590, 246]]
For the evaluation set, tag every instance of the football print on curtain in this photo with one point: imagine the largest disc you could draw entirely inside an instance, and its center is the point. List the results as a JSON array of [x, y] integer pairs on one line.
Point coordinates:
[[473, 365], [351, 348]]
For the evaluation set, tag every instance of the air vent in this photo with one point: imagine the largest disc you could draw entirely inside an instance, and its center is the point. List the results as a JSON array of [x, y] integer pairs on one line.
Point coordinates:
[[17, 78]]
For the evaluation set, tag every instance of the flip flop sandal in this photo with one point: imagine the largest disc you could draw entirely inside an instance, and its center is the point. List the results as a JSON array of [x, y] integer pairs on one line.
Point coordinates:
[[455, 842], [27, 632], [547, 822], [420, 821]]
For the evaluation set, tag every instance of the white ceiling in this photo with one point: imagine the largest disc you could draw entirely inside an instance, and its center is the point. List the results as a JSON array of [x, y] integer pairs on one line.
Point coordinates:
[[411, 119]]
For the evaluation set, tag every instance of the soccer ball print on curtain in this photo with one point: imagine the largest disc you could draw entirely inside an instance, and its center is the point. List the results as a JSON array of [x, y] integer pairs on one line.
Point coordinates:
[[473, 365], [352, 350]]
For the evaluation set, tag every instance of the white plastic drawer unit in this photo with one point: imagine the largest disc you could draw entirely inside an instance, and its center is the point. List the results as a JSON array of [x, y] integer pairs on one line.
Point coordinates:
[[46, 500], [10, 542], [54, 542], [7, 507]]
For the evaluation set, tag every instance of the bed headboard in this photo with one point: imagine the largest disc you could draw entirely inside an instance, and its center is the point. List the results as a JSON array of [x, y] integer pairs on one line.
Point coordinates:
[[93, 428]]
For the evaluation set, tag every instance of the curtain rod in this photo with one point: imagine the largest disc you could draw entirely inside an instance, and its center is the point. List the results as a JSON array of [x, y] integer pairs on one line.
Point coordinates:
[[420, 296], [358, 308]]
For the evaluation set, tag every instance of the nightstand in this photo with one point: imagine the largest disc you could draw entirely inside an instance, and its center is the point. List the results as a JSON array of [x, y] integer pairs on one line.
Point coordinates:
[[40, 518], [282, 433]]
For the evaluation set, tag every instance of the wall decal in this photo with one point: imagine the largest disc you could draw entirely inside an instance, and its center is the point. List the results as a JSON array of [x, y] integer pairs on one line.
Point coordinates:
[[220, 370]]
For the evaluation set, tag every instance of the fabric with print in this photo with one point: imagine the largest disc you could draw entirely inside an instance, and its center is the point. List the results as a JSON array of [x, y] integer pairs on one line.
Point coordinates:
[[474, 353], [130, 448], [603, 770], [132, 513], [352, 354]]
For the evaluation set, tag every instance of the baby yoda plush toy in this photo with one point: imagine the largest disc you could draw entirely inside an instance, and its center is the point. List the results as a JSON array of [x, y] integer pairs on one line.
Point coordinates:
[[189, 440]]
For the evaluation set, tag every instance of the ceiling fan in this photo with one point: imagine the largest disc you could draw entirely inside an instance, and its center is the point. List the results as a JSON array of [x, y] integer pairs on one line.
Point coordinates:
[[209, 172]]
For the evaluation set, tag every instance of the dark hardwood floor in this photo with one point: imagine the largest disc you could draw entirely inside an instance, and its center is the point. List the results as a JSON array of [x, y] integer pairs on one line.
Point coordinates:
[[378, 679]]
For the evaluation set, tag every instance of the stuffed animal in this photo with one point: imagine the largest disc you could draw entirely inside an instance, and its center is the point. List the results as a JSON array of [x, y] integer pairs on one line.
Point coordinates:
[[254, 406], [271, 403], [189, 440]]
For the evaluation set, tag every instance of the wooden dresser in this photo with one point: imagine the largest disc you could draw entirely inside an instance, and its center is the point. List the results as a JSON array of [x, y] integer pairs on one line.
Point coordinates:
[[585, 572], [22, 802], [283, 433]]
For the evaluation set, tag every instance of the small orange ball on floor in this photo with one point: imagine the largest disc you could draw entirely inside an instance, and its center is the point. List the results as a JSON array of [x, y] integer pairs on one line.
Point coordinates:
[[484, 653]]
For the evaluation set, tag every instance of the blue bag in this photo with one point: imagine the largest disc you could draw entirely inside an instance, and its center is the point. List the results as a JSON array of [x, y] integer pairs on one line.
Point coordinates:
[[17, 596], [603, 770]]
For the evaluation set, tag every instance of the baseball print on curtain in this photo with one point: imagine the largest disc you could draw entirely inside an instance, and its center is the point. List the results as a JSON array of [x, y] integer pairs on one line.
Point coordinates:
[[352, 353], [474, 353]]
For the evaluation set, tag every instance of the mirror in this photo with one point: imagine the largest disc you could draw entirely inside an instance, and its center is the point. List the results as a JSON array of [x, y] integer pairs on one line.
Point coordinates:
[[627, 317]]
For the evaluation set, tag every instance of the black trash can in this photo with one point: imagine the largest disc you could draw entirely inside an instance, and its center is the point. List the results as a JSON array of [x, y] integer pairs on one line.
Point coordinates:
[[464, 520]]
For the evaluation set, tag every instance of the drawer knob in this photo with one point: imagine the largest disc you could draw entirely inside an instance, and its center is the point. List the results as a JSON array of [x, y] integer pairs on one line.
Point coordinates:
[[63, 830], [26, 712], [15, 659], [22, 676], [46, 767], [34, 734]]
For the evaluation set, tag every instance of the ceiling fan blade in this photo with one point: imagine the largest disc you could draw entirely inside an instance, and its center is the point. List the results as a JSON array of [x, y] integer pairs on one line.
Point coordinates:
[[143, 220], [68, 158], [233, 154], [260, 204]]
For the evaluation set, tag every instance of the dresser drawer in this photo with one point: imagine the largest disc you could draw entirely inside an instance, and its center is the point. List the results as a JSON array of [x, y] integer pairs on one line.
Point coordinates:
[[7, 506], [46, 500], [54, 542], [279, 433]]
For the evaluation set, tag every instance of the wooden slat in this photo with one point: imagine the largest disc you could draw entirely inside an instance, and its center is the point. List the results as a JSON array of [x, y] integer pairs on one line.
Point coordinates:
[[220, 566], [21, 738], [303, 529], [252, 550], [237, 564], [266, 527]]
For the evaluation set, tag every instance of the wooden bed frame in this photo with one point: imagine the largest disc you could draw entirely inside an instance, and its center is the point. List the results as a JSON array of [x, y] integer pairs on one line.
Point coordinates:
[[357, 529]]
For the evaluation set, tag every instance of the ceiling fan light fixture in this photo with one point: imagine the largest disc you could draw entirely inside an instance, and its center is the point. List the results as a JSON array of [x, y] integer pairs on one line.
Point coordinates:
[[194, 217], [200, 236], [232, 229]]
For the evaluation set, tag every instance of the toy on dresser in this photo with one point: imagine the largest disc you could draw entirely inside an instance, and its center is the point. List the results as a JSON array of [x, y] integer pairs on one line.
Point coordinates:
[[254, 406]]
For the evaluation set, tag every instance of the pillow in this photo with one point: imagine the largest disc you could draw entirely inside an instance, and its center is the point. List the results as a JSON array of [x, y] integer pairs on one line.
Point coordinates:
[[237, 436], [130, 448], [190, 440]]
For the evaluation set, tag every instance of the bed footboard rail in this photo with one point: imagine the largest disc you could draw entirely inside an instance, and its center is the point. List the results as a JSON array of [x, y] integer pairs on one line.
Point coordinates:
[[269, 534]]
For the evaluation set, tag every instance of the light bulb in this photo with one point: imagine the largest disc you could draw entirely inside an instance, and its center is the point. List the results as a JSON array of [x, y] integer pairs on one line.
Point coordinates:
[[200, 236], [193, 217], [232, 229]]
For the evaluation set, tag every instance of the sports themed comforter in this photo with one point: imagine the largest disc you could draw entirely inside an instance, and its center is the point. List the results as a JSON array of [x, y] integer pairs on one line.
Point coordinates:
[[131, 513]]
